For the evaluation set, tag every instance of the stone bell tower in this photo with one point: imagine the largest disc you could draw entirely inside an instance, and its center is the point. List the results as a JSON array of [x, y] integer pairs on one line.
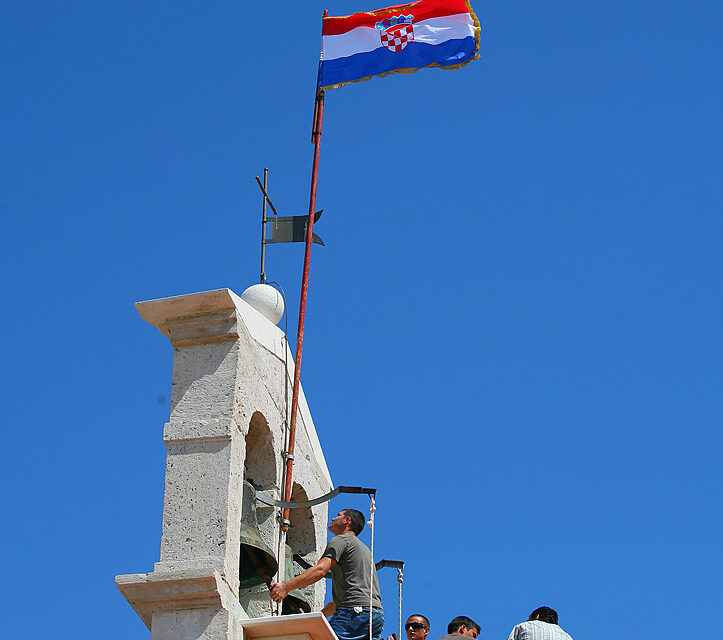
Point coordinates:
[[225, 438]]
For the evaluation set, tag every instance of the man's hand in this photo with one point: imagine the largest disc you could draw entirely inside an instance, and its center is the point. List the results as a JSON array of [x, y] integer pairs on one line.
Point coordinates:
[[279, 591]]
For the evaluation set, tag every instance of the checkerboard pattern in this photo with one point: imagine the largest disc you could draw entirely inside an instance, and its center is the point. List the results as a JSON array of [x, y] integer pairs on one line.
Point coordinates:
[[396, 38]]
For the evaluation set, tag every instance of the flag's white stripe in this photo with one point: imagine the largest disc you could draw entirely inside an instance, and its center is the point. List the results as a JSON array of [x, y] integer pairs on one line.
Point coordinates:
[[364, 39]]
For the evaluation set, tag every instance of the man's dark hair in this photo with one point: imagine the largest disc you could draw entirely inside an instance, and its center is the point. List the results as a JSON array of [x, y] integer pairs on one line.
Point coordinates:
[[545, 614], [462, 621], [419, 615], [357, 520]]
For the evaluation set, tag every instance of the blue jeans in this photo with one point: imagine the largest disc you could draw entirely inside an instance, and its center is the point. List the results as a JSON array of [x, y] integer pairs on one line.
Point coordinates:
[[353, 623]]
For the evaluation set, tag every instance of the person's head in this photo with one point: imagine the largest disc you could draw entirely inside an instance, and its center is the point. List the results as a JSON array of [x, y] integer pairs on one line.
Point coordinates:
[[417, 627], [348, 521], [544, 614], [464, 626]]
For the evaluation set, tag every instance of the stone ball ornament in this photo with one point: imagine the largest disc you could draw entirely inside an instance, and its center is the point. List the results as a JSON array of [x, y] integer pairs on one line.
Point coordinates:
[[267, 300]]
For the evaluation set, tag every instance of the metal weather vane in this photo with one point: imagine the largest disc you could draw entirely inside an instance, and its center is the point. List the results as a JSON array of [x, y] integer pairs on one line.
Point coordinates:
[[282, 228]]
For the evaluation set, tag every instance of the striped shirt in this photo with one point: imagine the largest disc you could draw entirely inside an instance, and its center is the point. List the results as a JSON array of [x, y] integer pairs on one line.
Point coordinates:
[[538, 630]]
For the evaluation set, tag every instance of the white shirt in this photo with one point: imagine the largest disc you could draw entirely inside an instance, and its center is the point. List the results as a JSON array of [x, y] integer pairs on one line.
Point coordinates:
[[538, 630]]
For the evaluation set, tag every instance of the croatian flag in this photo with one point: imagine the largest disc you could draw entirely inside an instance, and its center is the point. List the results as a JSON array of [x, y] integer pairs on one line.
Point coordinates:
[[399, 39]]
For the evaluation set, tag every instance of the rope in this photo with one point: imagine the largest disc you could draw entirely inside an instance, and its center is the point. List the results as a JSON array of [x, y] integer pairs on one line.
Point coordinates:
[[372, 509], [276, 607], [400, 579]]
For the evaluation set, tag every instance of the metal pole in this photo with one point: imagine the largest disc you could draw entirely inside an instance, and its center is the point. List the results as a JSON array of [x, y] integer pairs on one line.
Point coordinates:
[[263, 228], [400, 579], [316, 139]]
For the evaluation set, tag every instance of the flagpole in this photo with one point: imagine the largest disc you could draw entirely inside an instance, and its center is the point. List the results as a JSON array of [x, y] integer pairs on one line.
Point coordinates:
[[316, 139]]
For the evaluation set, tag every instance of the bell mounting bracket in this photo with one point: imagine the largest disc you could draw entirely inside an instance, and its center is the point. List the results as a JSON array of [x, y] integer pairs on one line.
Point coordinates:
[[266, 497]]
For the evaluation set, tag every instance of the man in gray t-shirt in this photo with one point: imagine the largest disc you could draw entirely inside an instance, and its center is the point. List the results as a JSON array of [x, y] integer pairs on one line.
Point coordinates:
[[351, 572], [350, 563]]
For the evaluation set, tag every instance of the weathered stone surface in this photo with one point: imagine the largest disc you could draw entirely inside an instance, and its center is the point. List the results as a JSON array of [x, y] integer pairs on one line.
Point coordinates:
[[231, 386]]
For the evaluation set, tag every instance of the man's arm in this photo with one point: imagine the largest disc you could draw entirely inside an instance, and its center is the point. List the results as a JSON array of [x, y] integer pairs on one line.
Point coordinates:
[[279, 590]]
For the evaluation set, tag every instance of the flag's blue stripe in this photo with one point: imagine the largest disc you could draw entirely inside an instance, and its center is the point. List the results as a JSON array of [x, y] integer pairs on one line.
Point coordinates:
[[414, 56]]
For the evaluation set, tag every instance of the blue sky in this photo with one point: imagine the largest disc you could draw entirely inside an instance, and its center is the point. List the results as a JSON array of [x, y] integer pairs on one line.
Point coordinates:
[[514, 331]]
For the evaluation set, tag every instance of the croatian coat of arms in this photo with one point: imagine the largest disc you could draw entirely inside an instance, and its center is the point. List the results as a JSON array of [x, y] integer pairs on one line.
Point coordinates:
[[396, 32]]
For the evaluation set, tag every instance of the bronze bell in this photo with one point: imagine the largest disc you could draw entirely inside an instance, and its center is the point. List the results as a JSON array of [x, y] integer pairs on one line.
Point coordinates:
[[296, 601], [257, 564]]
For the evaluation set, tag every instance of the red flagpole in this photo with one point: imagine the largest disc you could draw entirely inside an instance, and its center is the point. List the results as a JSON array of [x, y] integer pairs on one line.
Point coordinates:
[[316, 139]]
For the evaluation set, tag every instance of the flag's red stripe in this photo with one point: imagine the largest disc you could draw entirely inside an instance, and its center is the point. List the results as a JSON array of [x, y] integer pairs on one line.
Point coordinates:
[[421, 10]]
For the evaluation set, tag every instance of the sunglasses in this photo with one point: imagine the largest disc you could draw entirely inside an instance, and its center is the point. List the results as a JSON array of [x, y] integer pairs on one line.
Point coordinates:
[[414, 625]]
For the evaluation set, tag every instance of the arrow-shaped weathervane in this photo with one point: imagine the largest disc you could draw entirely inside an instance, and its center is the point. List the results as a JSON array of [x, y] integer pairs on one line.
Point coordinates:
[[283, 228], [292, 229]]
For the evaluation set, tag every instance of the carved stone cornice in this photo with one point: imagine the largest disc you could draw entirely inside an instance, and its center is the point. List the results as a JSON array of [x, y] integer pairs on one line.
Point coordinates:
[[196, 318], [149, 593]]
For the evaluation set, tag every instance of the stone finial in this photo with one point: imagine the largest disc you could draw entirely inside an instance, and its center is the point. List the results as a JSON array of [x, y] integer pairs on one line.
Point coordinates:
[[267, 300]]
